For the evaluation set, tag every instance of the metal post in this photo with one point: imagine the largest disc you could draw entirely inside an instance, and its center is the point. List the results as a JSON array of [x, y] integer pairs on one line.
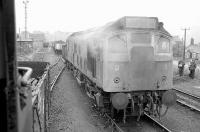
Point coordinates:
[[25, 7], [184, 45], [20, 44], [178, 50], [185, 29]]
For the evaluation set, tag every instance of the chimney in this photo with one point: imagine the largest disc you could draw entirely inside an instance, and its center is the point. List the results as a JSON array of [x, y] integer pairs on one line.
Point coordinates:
[[192, 41]]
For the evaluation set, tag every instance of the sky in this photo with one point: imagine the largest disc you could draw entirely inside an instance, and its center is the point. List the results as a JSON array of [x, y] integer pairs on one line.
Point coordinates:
[[76, 15]]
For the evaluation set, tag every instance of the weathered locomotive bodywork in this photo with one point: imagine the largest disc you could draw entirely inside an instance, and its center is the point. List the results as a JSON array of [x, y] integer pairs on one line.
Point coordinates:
[[132, 55]]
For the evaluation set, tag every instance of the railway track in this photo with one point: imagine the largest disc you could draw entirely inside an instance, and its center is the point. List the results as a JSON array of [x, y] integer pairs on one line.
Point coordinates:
[[156, 121], [118, 127], [188, 100], [55, 72], [114, 126], [184, 98]]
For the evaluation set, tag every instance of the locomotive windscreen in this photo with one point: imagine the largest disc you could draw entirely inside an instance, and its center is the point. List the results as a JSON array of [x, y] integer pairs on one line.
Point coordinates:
[[163, 45], [141, 22]]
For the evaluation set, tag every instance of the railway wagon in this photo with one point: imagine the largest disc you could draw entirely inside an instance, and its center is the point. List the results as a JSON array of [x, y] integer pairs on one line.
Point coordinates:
[[125, 66], [57, 48]]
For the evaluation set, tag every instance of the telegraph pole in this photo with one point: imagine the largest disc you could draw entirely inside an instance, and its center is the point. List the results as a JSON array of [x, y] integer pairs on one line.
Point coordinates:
[[25, 7], [20, 41], [185, 30]]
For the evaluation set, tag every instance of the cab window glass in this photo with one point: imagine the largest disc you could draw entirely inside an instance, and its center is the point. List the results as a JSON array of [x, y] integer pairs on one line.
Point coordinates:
[[163, 45]]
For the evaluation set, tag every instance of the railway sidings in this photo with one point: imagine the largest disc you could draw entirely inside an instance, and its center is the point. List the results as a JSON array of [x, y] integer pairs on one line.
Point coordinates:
[[187, 99]]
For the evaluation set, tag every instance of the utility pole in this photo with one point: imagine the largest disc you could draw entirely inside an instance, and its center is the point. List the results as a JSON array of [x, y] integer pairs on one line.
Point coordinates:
[[20, 45], [185, 30], [25, 7]]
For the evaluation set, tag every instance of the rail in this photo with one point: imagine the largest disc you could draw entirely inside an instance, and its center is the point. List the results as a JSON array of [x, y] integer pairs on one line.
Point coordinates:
[[158, 123], [115, 126], [187, 99], [54, 72], [42, 91], [51, 66], [56, 77]]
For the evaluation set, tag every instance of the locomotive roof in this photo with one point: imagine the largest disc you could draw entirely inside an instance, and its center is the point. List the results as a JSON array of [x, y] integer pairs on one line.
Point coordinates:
[[124, 23]]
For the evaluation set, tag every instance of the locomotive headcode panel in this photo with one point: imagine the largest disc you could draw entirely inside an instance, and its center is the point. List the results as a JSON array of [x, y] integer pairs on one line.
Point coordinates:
[[127, 62]]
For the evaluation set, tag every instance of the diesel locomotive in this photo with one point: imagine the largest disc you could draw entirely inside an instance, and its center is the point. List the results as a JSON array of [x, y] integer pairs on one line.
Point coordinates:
[[125, 66]]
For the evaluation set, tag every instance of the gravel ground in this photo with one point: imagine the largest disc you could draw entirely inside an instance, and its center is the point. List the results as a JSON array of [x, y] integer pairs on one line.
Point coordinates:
[[185, 83], [181, 119], [144, 125], [71, 109], [189, 86]]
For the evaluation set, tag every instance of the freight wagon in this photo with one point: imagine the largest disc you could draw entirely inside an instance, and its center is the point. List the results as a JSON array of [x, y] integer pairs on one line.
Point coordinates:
[[58, 48]]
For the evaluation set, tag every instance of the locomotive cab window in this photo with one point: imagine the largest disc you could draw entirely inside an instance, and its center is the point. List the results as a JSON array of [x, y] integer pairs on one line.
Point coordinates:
[[163, 45]]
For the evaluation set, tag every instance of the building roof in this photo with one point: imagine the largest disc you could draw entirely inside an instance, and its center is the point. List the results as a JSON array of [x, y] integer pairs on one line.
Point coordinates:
[[194, 48], [24, 40]]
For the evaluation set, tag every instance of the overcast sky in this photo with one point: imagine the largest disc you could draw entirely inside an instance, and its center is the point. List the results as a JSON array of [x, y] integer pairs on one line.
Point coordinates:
[[76, 15]]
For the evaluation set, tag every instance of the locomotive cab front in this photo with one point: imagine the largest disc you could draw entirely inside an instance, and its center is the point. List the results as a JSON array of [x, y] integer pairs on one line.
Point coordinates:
[[138, 63], [164, 68]]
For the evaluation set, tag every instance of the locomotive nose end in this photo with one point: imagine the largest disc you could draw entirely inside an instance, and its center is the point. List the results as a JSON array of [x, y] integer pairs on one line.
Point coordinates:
[[169, 98], [119, 101]]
